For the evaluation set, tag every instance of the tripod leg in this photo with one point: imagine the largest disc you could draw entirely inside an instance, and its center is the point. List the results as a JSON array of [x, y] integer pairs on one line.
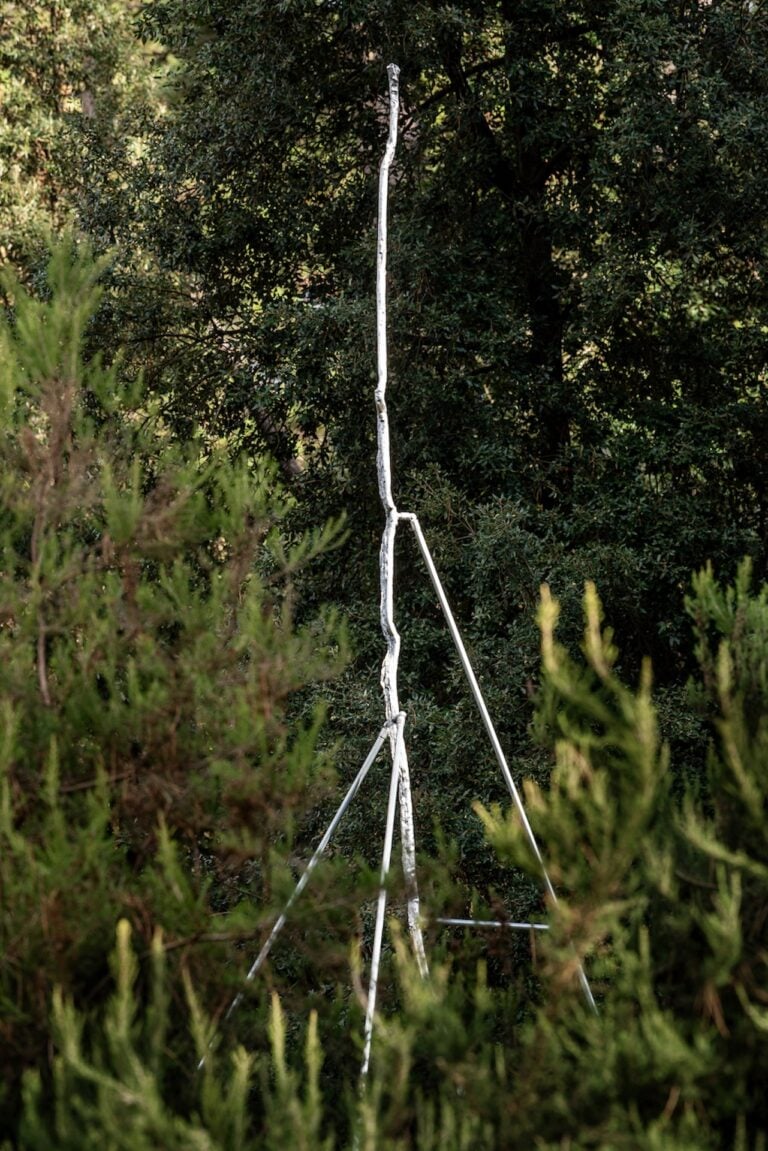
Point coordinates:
[[408, 849], [488, 724], [304, 878], [381, 906]]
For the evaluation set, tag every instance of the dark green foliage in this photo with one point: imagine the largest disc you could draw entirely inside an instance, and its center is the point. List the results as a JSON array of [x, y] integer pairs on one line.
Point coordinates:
[[663, 898], [577, 319], [668, 894], [577, 223], [578, 368], [114, 1093], [147, 658], [69, 74]]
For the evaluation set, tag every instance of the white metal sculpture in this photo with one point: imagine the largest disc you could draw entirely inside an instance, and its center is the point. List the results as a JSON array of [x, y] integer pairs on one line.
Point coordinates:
[[393, 729], [400, 787]]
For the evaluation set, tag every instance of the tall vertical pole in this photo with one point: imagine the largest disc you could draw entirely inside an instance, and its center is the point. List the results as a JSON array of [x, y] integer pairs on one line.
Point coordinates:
[[387, 555]]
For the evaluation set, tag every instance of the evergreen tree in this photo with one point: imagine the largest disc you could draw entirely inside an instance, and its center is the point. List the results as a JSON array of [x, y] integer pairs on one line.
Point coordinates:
[[577, 228], [68, 73], [663, 893], [147, 659]]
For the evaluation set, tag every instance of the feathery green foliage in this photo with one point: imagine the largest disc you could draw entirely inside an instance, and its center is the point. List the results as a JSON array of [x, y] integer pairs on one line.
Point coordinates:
[[147, 658], [662, 894]]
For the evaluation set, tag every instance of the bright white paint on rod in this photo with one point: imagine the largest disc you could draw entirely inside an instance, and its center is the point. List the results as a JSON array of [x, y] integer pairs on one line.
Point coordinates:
[[488, 723], [395, 719], [391, 661], [319, 851], [493, 923], [381, 906]]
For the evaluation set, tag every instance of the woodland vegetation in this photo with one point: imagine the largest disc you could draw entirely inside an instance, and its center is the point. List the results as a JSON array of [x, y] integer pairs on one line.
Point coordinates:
[[189, 533]]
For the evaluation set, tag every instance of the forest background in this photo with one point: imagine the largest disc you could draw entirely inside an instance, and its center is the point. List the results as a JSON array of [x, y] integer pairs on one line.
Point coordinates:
[[189, 586]]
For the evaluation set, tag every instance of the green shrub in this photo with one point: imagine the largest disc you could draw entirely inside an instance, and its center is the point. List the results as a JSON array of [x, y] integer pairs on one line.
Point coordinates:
[[663, 893], [147, 659]]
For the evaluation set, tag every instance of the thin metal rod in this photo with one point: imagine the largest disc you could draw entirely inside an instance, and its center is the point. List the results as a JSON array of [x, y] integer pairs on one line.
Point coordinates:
[[492, 923], [381, 906], [488, 723], [354, 787]]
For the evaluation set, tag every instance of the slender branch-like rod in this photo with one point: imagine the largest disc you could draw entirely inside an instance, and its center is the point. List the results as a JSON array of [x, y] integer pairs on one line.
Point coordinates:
[[479, 699], [488, 723], [354, 787], [382, 422], [42, 671], [492, 923], [389, 667], [319, 851], [370, 1009]]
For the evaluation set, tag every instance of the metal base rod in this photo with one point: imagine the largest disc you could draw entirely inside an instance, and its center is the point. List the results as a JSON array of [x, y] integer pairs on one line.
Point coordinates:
[[381, 906], [492, 923]]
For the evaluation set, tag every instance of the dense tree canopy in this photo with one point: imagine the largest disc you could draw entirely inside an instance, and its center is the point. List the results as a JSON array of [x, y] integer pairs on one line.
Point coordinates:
[[579, 314], [577, 295], [577, 301], [68, 73]]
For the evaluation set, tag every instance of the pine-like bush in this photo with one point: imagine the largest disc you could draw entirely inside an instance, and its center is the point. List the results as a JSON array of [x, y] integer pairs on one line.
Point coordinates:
[[663, 895], [147, 658], [664, 885]]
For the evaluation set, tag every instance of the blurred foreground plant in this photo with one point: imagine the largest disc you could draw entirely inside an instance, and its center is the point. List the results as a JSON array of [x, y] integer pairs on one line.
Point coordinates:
[[660, 895], [147, 659]]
